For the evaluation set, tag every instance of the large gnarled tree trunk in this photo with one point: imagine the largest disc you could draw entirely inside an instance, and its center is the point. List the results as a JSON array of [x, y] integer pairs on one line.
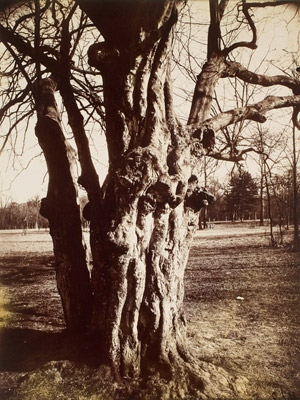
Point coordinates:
[[149, 210]]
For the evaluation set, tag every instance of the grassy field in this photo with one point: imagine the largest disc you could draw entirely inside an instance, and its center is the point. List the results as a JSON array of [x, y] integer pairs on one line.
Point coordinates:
[[242, 306]]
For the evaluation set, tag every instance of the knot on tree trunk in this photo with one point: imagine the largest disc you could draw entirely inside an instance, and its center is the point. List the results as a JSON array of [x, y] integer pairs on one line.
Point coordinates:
[[198, 198], [101, 55], [138, 171], [87, 212], [167, 190], [44, 98], [51, 209], [57, 211], [44, 208]]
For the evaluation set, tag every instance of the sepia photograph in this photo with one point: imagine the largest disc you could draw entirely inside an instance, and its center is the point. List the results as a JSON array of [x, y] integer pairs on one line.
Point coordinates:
[[149, 200]]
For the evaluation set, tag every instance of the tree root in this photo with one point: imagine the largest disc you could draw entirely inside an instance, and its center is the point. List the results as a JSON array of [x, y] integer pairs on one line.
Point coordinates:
[[191, 381]]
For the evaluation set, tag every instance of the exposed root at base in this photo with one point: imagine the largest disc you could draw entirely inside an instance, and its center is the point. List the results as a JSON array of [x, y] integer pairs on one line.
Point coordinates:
[[194, 380], [65, 380]]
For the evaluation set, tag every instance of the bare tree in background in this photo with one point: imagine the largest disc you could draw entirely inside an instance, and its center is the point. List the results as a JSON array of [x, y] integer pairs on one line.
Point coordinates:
[[142, 219], [295, 194], [271, 147]]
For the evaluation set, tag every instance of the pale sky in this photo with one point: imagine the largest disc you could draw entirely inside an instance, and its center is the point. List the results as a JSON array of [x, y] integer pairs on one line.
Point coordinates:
[[278, 36]]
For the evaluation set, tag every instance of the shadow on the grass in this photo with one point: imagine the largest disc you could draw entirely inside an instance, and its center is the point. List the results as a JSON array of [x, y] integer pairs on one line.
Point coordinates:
[[26, 270], [24, 350]]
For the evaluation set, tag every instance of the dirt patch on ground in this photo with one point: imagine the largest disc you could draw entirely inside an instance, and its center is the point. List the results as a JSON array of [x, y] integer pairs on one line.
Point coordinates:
[[242, 304]]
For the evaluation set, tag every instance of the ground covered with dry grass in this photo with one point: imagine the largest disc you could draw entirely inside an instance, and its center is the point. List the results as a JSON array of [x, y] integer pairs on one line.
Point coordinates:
[[242, 304]]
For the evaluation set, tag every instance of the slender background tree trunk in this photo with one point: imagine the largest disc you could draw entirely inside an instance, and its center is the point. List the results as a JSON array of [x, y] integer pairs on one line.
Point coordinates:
[[295, 193]]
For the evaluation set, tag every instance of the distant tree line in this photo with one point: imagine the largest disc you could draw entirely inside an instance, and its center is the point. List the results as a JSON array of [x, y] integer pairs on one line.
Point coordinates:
[[27, 215], [242, 198], [22, 216]]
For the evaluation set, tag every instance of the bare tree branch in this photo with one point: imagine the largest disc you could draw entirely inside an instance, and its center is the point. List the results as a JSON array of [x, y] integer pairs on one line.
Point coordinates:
[[18, 99], [233, 157], [264, 4], [254, 112], [252, 43], [8, 36], [235, 69]]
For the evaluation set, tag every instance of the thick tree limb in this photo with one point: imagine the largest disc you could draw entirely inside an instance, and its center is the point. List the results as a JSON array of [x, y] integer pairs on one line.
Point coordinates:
[[61, 209], [129, 19], [235, 69], [254, 112], [204, 89], [214, 31], [269, 3]]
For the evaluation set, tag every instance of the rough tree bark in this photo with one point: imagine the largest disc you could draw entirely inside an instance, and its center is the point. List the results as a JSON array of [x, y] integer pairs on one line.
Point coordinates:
[[150, 210], [61, 209]]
